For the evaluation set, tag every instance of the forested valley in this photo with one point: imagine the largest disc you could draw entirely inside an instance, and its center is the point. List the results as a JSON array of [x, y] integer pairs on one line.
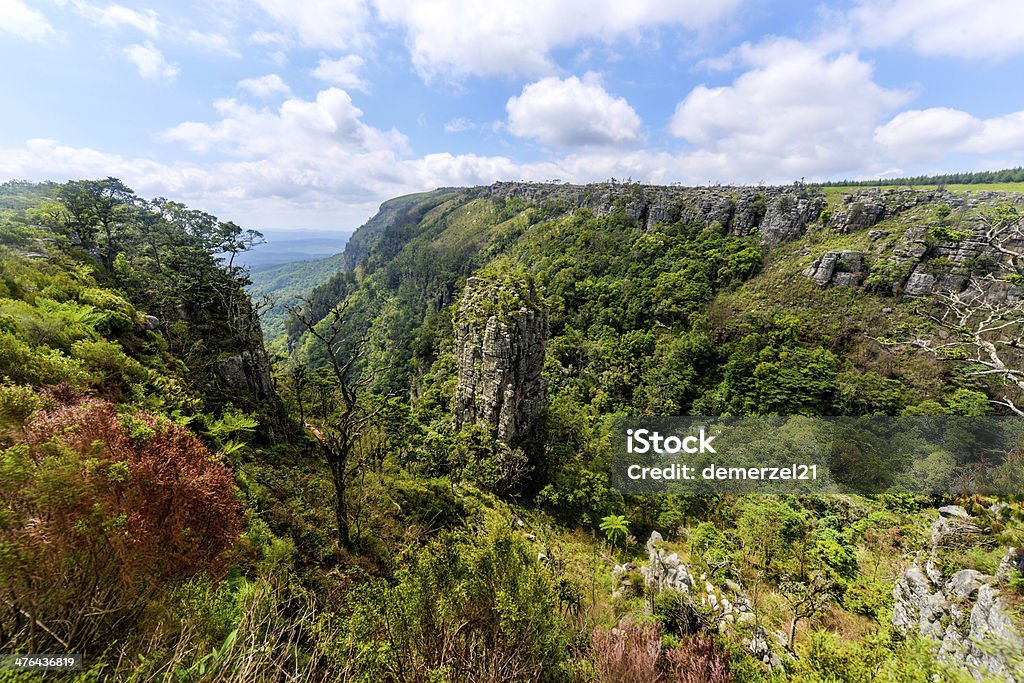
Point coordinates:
[[408, 477]]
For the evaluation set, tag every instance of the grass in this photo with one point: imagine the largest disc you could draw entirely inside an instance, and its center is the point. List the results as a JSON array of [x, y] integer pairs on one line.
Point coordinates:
[[959, 189]]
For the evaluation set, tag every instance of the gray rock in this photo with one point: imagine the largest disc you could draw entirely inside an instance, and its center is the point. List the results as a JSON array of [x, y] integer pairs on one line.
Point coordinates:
[[844, 268], [152, 323], [246, 373], [857, 215], [919, 284], [665, 571], [764, 647], [788, 215], [965, 583], [777, 213], [954, 511], [964, 616], [500, 359], [1011, 565]]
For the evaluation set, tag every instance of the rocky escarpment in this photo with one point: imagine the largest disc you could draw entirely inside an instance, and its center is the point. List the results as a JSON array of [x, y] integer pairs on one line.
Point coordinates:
[[940, 242], [869, 207], [962, 611], [722, 605], [776, 213], [501, 336]]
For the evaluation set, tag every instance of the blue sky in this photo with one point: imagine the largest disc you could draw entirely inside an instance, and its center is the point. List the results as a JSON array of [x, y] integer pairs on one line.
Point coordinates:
[[309, 113]]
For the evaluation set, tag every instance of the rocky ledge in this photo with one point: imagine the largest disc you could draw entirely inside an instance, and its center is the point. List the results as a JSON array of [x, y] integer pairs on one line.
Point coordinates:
[[962, 612]]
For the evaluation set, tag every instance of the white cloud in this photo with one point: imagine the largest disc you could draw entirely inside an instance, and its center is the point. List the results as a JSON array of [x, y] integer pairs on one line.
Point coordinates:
[[796, 112], [931, 134], [117, 16], [331, 24], [458, 125], [265, 86], [572, 113], [468, 37], [151, 63], [976, 29], [271, 38], [17, 19], [212, 42], [343, 72], [329, 126], [926, 135]]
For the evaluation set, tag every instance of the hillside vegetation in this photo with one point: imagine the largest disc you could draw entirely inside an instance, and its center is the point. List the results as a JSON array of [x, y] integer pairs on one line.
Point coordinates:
[[419, 489]]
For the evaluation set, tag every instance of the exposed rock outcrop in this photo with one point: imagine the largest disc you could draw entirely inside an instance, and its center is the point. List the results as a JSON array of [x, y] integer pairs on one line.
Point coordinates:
[[246, 373], [871, 206], [726, 607], [777, 213], [964, 614], [788, 216], [923, 256], [845, 268], [501, 336]]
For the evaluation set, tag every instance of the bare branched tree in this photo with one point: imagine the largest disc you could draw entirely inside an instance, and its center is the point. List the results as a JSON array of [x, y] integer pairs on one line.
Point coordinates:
[[344, 412], [983, 331], [989, 337]]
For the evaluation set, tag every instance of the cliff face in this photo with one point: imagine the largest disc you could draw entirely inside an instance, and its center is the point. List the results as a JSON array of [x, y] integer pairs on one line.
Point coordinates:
[[919, 253], [777, 213], [501, 337]]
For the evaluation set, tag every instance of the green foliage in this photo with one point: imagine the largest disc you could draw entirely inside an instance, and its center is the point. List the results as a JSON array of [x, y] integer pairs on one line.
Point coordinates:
[[580, 496], [886, 273], [714, 549], [461, 607], [829, 658], [941, 233], [969, 403], [832, 551], [770, 530], [615, 528]]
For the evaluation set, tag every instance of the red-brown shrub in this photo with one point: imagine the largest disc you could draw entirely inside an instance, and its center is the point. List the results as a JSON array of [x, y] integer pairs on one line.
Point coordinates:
[[631, 653], [99, 510], [628, 653], [697, 659]]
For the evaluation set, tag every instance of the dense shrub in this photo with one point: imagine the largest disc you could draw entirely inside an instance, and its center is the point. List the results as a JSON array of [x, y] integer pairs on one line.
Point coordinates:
[[632, 653], [99, 511], [465, 608], [698, 659], [628, 653]]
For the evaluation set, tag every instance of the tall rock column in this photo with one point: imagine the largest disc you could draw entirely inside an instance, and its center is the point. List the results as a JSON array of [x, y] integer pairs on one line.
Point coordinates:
[[501, 335]]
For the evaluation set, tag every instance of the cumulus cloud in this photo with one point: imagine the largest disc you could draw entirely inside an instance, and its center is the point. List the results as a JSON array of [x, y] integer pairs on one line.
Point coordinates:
[[150, 62], [466, 37], [328, 126], [796, 111], [265, 86], [926, 134], [330, 24], [572, 113], [975, 29], [117, 16], [343, 72], [930, 134], [17, 19]]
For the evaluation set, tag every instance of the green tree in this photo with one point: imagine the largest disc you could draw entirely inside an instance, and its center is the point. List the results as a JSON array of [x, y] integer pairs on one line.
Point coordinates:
[[615, 528]]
